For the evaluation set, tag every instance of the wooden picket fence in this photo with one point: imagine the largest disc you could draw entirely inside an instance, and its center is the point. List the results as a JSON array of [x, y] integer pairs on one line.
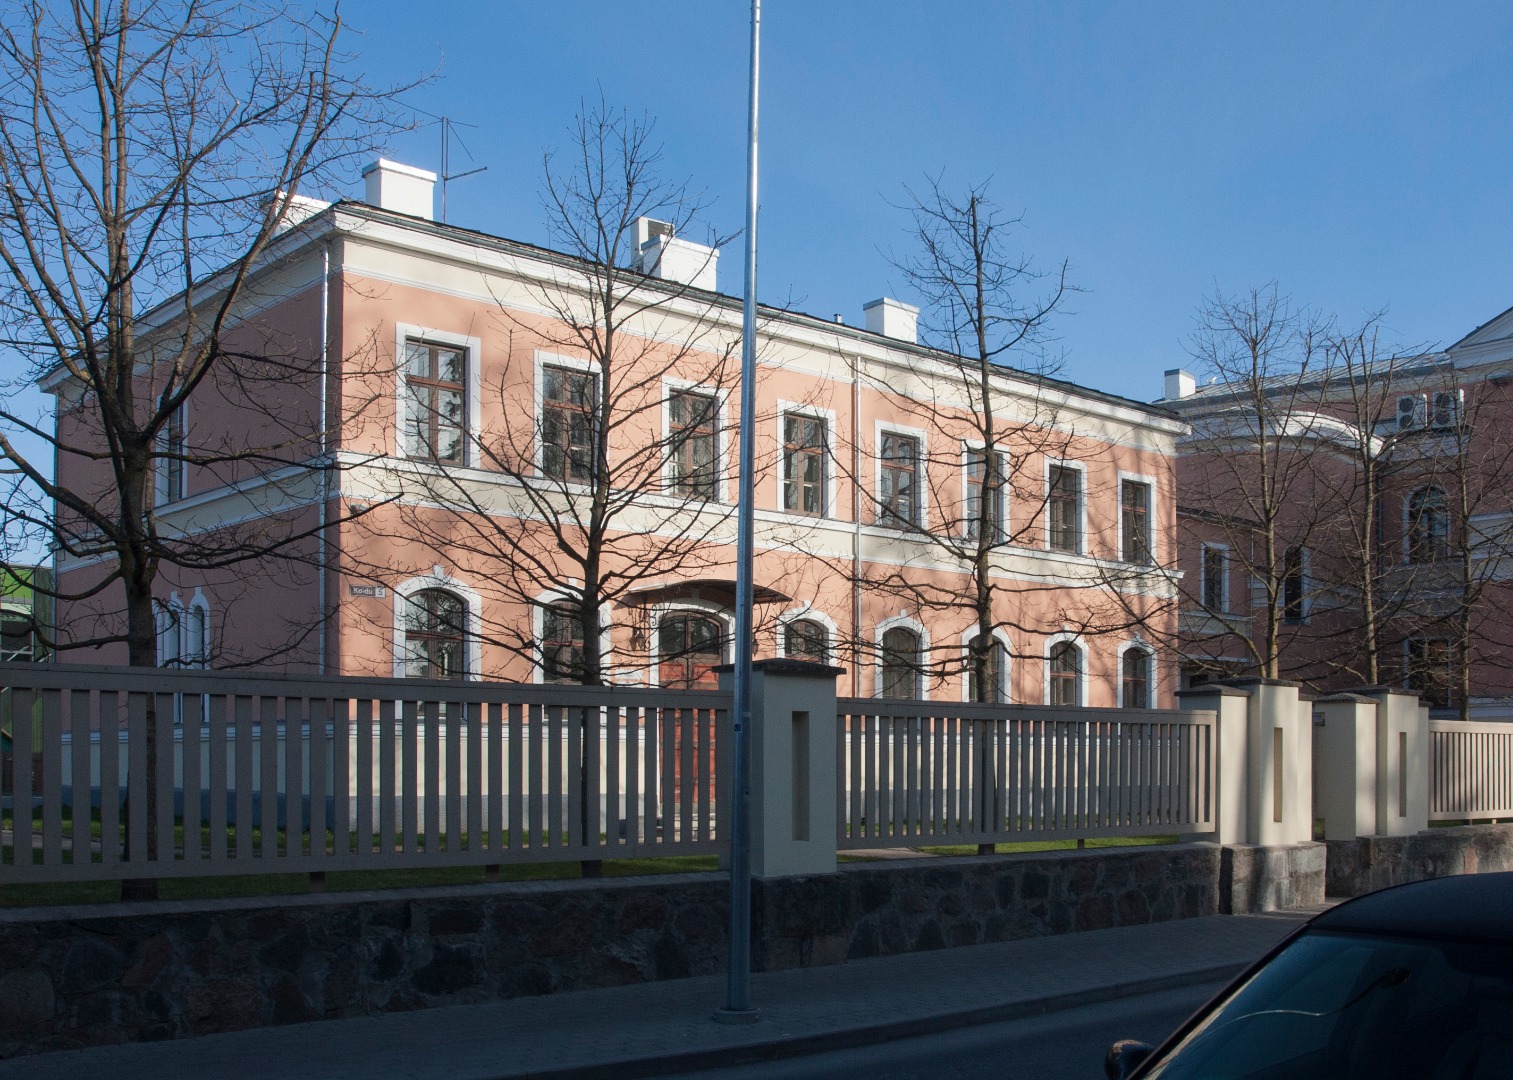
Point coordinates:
[[916, 773], [249, 773]]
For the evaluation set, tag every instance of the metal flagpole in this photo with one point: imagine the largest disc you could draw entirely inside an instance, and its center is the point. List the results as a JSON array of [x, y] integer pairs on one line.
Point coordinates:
[[738, 1008]]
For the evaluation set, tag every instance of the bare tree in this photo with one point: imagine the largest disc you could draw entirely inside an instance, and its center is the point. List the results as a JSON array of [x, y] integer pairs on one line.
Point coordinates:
[[1249, 466], [151, 155], [992, 416], [617, 479], [1457, 467], [1356, 585]]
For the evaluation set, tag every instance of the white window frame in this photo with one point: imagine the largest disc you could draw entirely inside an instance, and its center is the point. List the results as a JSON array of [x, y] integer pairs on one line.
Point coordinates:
[[792, 615], [544, 360], [968, 448], [1407, 556], [921, 474], [1081, 469], [544, 600], [1006, 686], [1223, 549], [1082, 671], [163, 444], [472, 383], [672, 386], [472, 639], [1152, 690], [794, 408], [168, 617], [1307, 598], [1150, 516], [924, 651], [172, 619]]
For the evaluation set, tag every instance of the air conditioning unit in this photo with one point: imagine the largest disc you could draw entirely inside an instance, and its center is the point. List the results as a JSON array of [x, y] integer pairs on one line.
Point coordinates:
[[1449, 407], [1412, 412]]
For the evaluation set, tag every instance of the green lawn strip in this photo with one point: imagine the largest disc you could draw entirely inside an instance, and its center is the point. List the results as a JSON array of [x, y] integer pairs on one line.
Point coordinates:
[[1052, 845], [206, 888]]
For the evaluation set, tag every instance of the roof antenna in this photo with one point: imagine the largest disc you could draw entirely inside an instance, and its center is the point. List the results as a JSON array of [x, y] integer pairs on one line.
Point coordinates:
[[447, 124]]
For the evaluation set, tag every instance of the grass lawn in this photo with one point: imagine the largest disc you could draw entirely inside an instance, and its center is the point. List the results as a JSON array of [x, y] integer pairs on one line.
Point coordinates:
[[1052, 845], [202, 888]]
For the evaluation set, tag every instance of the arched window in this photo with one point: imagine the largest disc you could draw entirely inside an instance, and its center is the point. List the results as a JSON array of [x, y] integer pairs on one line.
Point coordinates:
[[806, 639], [689, 647], [434, 624], [1135, 679], [1428, 526], [1065, 661], [997, 676], [900, 663], [562, 652]]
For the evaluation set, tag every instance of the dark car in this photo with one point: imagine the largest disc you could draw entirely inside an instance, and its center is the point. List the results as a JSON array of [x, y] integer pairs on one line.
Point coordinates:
[[1413, 982]]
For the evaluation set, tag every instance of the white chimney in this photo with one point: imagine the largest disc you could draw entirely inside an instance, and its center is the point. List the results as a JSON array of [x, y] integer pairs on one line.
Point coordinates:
[[401, 188], [1179, 384], [893, 319], [660, 254]]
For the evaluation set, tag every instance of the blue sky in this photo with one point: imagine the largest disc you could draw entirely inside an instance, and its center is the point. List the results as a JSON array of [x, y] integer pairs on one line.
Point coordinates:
[[1361, 155]]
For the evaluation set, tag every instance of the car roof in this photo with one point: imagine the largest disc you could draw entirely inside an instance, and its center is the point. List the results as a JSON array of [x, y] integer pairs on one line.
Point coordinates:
[[1472, 906]]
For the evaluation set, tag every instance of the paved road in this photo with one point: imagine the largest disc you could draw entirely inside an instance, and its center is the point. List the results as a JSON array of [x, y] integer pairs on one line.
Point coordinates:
[[1068, 1044]]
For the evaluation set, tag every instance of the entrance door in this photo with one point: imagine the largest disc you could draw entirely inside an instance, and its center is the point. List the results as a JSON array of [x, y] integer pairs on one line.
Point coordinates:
[[688, 650]]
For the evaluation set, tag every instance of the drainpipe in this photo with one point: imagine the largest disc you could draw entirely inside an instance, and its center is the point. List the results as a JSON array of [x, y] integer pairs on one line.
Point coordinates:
[[325, 464], [856, 526]]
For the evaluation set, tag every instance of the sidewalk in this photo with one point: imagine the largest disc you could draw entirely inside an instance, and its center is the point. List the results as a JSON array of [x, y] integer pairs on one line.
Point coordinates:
[[657, 1028]]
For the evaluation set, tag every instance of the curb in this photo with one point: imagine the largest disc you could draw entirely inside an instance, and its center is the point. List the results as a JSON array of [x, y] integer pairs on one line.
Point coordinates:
[[872, 1034]]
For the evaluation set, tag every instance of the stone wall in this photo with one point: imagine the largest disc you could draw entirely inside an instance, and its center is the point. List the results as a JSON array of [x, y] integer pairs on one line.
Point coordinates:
[[885, 908], [88, 975], [1368, 863], [1255, 879]]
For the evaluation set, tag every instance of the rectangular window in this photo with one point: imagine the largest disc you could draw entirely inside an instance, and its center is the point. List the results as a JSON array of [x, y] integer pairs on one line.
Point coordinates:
[[171, 448], [1215, 578], [692, 434], [569, 401], [977, 468], [1063, 508], [435, 401], [1429, 671], [1294, 570], [562, 655], [804, 441], [1135, 521], [898, 481], [993, 688]]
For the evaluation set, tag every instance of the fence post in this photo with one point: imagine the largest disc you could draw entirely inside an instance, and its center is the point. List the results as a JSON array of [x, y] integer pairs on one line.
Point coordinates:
[[1402, 761], [1344, 765], [1230, 707], [793, 767], [1281, 763]]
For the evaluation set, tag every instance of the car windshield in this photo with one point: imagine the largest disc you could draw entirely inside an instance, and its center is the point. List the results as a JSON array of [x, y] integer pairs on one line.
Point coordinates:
[[1338, 1006]]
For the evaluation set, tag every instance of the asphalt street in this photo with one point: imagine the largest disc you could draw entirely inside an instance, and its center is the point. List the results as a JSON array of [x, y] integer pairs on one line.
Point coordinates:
[[1067, 1044]]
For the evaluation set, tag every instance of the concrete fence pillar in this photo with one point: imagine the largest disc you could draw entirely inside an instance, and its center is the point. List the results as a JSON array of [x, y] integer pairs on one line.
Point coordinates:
[[793, 767], [1230, 706], [1402, 761], [1344, 768], [1281, 763]]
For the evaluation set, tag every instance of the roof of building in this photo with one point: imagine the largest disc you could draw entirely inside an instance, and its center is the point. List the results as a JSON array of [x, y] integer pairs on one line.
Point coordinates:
[[519, 247]]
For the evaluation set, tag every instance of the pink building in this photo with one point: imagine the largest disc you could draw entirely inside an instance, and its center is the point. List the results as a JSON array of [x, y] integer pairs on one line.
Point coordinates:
[[464, 404], [1390, 493]]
